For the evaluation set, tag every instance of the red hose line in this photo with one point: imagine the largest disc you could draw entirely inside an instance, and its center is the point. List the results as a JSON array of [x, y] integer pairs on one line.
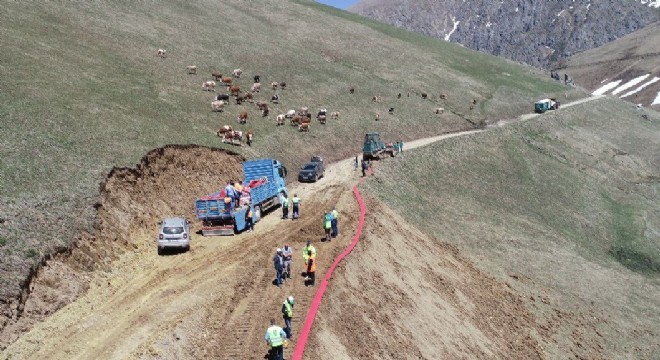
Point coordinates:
[[299, 350]]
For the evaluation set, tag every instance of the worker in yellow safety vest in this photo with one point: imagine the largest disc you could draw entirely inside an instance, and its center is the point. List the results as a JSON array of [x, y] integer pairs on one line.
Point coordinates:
[[275, 337], [309, 247], [287, 314], [296, 206]]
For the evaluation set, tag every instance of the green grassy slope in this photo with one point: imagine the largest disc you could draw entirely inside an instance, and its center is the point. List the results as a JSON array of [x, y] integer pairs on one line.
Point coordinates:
[[566, 202], [82, 90]]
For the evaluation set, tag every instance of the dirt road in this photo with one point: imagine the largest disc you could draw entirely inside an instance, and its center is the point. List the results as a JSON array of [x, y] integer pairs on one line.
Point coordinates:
[[216, 300]]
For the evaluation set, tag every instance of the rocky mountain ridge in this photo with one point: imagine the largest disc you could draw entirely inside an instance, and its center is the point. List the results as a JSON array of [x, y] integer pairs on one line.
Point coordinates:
[[540, 33]]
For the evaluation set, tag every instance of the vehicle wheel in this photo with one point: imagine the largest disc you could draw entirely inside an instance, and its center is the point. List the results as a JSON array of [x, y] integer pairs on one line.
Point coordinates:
[[160, 251], [186, 249], [257, 213]]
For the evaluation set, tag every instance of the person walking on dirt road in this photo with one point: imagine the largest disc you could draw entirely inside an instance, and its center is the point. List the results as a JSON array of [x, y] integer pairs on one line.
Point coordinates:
[[278, 263], [355, 164], [296, 206], [327, 225], [287, 254], [311, 269], [365, 166], [309, 247], [285, 207], [275, 337], [335, 222], [287, 314]]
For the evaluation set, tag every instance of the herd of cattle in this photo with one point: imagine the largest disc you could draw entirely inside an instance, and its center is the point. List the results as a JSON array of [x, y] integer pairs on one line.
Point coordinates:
[[301, 118]]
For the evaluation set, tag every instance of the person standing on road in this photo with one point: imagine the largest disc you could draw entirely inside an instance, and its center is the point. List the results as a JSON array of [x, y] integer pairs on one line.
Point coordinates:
[[355, 164], [287, 314], [287, 254], [275, 337], [327, 225], [334, 222], [285, 207], [278, 263], [249, 223], [296, 206], [365, 166], [311, 269], [309, 247], [401, 145]]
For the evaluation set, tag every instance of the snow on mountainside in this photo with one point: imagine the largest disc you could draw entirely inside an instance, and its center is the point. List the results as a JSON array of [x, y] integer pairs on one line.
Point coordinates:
[[539, 33]]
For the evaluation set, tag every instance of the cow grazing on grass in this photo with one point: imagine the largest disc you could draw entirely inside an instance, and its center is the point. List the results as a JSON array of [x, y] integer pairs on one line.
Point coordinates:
[[192, 69], [283, 85], [265, 111], [439, 110], [377, 116], [162, 53], [262, 105], [234, 90], [280, 119], [237, 73], [275, 99], [248, 97], [257, 78], [218, 105], [321, 119], [296, 120], [223, 130], [223, 97], [425, 95], [391, 110], [233, 137], [351, 90], [239, 99], [474, 101], [398, 96], [304, 127], [334, 115], [209, 85], [256, 87], [443, 96], [248, 137], [227, 81], [290, 114], [243, 117], [217, 76], [375, 99], [274, 85], [303, 111]]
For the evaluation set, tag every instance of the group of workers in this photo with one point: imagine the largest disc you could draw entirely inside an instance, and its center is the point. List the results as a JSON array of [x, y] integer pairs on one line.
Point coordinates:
[[295, 203], [276, 336]]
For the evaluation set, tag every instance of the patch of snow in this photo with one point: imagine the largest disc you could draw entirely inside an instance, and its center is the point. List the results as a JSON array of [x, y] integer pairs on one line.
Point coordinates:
[[607, 87], [604, 80], [516, 9], [453, 19], [559, 13], [588, 6], [489, 24], [657, 99], [630, 84], [652, 3], [644, 85]]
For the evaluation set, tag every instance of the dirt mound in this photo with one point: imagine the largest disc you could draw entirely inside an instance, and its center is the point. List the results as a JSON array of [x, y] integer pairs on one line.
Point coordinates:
[[165, 182], [404, 295]]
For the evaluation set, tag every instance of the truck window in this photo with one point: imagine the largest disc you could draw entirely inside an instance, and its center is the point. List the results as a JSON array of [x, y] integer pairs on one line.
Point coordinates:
[[282, 172]]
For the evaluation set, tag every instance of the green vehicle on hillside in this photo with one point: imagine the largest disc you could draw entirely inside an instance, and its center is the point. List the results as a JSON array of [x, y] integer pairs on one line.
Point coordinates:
[[375, 148], [544, 105]]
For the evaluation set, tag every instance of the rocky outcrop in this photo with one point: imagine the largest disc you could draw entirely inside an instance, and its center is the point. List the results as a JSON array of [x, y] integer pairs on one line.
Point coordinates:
[[539, 33]]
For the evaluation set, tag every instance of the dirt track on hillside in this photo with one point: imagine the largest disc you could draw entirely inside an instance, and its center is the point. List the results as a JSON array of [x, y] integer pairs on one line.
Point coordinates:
[[216, 300]]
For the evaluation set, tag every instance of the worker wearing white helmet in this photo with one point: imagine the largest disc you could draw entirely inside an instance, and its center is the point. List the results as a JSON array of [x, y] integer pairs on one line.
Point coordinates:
[[287, 314], [278, 263]]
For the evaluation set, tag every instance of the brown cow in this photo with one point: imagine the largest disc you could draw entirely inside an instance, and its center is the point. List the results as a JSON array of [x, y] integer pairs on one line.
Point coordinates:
[[296, 120], [249, 97], [249, 136], [265, 111], [243, 117], [217, 76], [227, 81], [239, 99], [283, 85], [223, 130], [262, 105], [443, 96], [234, 90], [304, 127], [424, 95]]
